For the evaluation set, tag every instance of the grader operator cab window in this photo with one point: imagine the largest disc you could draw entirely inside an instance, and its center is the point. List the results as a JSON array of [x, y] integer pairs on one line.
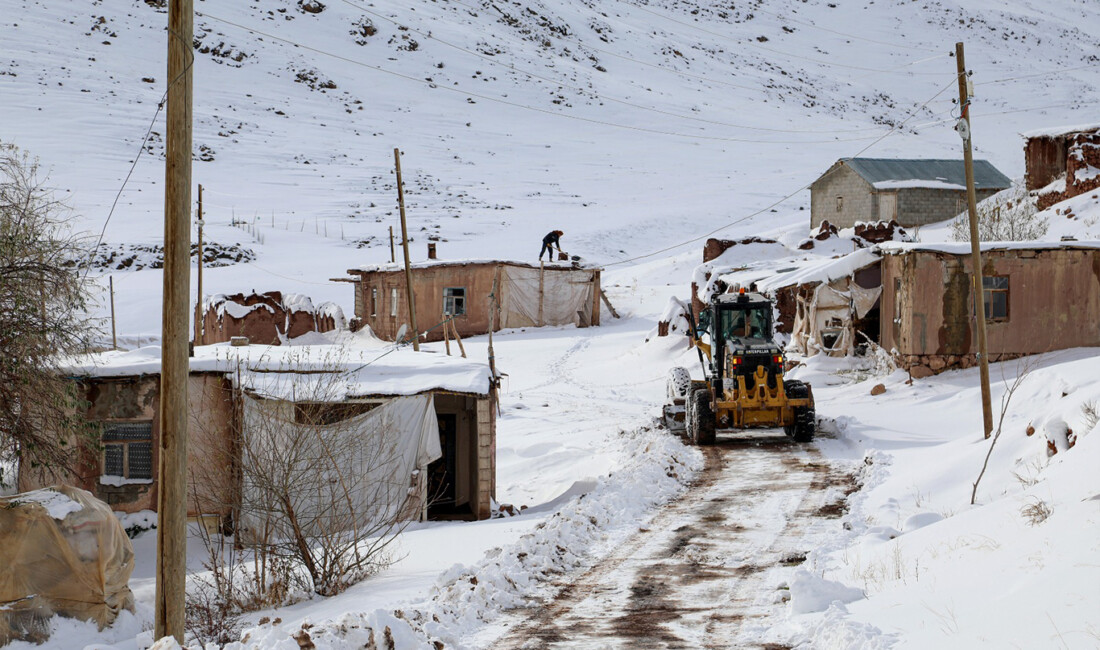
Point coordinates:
[[746, 323]]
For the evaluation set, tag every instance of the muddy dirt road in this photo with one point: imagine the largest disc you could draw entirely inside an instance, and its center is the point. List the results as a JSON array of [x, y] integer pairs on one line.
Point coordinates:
[[708, 570]]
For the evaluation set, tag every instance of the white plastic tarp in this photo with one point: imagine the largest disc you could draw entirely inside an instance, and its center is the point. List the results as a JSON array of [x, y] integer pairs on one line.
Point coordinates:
[[824, 323], [355, 474], [565, 295]]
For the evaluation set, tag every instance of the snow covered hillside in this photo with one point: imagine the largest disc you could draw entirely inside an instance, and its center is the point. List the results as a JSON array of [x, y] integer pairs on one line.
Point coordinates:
[[638, 127], [629, 126]]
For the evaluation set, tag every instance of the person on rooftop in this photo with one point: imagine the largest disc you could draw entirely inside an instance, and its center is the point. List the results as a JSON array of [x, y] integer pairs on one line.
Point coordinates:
[[552, 239]]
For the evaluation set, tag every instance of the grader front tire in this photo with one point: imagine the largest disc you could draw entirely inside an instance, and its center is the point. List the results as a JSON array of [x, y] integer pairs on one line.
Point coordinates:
[[701, 423]]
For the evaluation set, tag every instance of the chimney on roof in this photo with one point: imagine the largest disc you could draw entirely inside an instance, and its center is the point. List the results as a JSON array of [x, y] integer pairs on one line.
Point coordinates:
[[431, 250]]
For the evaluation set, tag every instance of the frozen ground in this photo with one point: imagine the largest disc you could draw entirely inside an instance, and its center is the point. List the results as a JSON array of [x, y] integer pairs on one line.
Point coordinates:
[[637, 129]]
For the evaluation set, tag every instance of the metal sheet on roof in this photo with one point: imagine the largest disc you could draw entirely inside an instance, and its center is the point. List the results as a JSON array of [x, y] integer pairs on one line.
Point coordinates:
[[877, 170]]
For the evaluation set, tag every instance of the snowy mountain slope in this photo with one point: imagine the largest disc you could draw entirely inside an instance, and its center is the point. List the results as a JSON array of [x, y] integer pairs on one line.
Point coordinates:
[[515, 117], [632, 126]]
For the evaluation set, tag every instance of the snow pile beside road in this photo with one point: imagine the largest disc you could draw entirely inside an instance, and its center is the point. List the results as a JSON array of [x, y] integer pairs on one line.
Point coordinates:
[[468, 598], [1016, 569]]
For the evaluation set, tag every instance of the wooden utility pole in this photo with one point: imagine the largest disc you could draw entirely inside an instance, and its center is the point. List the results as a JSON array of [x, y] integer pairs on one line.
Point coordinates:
[[393, 256], [198, 299], [171, 480], [975, 245], [114, 336], [542, 273], [405, 249], [492, 325]]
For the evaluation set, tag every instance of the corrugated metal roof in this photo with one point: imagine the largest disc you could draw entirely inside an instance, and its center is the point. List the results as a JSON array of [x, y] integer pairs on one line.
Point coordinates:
[[877, 170]]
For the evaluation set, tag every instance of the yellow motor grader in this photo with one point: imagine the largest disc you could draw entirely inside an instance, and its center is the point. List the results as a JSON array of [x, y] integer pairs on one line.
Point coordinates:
[[743, 383]]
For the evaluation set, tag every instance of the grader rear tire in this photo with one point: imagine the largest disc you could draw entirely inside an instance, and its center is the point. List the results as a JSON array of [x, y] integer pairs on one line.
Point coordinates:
[[804, 417], [700, 418]]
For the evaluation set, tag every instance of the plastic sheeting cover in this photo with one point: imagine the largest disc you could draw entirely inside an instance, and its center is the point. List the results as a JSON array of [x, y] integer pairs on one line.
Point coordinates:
[[564, 294], [63, 552], [824, 323], [354, 474]]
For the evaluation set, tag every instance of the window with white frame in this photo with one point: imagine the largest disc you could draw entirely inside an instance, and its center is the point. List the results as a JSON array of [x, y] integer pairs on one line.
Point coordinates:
[[454, 301], [128, 449]]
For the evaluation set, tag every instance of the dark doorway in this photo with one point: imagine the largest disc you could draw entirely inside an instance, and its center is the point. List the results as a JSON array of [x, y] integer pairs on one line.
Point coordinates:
[[442, 473]]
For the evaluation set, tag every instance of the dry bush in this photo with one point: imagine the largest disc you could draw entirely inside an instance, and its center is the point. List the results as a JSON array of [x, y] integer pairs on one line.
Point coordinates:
[[1091, 413], [1010, 215], [1036, 512], [210, 618]]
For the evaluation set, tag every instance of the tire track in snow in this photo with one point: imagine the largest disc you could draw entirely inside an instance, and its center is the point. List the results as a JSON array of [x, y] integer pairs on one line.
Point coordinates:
[[706, 572]]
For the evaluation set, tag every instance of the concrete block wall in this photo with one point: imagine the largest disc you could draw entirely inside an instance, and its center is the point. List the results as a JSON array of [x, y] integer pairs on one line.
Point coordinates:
[[920, 206], [486, 457], [843, 182]]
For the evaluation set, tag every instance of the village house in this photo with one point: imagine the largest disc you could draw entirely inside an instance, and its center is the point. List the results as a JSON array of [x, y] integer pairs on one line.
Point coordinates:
[[439, 410], [479, 295], [1062, 163], [264, 318], [1038, 297], [910, 192], [915, 300]]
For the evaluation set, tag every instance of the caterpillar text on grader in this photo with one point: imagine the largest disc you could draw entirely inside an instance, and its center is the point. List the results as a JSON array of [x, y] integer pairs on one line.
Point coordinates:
[[743, 383]]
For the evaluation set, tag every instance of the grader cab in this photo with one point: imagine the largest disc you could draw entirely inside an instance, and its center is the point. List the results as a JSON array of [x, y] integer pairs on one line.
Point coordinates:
[[743, 383]]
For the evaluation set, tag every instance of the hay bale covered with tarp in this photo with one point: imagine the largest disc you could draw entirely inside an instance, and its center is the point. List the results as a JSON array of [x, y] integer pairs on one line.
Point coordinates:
[[63, 552]]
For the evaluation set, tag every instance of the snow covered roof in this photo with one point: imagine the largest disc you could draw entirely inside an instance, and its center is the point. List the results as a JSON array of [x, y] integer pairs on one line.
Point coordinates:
[[963, 248], [282, 371], [821, 271], [886, 173], [425, 264], [1058, 131]]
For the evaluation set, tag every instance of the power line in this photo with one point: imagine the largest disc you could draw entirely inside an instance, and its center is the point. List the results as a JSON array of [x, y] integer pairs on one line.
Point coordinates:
[[785, 198], [831, 64], [1038, 74], [505, 102], [512, 68], [141, 150], [844, 34], [594, 94]]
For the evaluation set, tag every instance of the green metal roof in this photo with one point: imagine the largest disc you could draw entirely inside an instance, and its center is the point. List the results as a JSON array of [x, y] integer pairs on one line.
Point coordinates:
[[879, 170]]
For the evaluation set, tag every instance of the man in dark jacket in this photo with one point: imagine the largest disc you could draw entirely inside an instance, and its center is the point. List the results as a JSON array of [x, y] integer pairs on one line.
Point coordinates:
[[551, 240]]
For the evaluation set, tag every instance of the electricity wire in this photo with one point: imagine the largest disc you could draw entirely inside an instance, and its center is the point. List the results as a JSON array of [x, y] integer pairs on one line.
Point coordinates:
[[592, 93], [141, 150], [785, 198], [780, 52], [699, 136]]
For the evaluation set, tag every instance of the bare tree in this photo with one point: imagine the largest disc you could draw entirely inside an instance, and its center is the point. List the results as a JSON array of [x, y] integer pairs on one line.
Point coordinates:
[[1024, 368], [1010, 215], [42, 316]]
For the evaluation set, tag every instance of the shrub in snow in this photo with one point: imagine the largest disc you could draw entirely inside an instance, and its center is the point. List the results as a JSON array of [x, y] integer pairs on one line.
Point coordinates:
[[1036, 512], [1010, 215]]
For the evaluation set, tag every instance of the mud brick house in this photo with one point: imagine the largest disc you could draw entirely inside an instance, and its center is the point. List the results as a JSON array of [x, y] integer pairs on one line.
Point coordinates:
[[911, 192], [265, 318], [1038, 297], [439, 418], [524, 295], [1062, 162]]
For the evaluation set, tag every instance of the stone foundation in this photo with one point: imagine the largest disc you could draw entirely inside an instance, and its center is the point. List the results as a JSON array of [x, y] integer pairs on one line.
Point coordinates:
[[920, 366]]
